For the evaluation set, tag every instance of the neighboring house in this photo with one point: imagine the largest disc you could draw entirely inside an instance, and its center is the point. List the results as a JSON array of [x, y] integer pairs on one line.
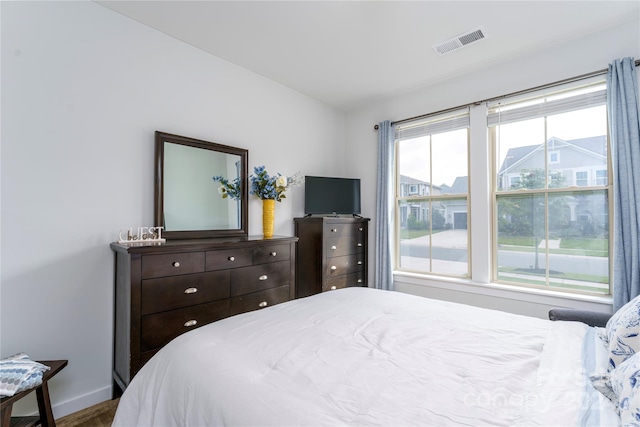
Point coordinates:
[[582, 162], [418, 209], [455, 211], [415, 187]]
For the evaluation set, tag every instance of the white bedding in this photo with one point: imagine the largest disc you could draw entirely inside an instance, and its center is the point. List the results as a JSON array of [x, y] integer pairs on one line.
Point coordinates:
[[361, 356]]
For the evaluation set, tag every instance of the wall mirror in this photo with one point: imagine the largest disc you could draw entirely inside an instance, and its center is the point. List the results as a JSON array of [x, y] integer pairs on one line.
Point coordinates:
[[187, 201]]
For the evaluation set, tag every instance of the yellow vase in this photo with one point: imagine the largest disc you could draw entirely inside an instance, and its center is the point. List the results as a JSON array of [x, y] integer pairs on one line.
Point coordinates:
[[268, 216]]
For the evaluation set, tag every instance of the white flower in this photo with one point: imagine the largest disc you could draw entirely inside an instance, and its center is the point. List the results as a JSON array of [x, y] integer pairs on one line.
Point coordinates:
[[222, 190], [281, 181]]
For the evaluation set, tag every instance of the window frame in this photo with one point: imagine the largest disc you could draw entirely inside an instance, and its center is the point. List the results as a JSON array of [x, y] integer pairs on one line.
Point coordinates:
[[455, 117], [496, 193]]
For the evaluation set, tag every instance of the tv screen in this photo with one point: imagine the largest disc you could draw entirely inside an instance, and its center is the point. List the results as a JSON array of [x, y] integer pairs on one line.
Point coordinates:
[[326, 195]]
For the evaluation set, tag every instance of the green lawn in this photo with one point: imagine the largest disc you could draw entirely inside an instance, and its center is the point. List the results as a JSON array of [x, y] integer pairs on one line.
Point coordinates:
[[516, 241], [587, 244], [568, 245]]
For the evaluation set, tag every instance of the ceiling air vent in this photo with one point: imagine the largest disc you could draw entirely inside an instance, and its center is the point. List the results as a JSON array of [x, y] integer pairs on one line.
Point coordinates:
[[460, 41]]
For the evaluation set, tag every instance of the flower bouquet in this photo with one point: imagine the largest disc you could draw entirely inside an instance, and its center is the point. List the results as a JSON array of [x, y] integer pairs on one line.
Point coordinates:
[[270, 188], [228, 188]]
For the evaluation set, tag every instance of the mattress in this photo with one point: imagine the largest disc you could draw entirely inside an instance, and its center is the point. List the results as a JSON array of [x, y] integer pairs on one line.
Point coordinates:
[[361, 356]]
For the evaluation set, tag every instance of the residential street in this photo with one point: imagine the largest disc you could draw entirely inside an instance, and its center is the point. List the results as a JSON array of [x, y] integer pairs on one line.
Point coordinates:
[[451, 245]]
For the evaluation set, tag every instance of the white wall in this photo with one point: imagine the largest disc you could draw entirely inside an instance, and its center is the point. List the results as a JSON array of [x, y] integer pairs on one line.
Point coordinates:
[[589, 53], [83, 90]]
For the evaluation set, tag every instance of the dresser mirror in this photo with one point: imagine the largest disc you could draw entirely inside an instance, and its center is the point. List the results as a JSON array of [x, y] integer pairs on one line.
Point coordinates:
[[188, 203]]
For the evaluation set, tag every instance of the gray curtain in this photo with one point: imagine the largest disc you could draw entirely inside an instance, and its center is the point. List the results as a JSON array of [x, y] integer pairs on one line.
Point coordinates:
[[384, 207], [624, 123]]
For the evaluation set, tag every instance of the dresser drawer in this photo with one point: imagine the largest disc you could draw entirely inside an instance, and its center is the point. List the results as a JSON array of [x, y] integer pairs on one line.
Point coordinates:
[[259, 277], [345, 245], [172, 264], [229, 258], [258, 300], [158, 329], [343, 229], [168, 293], [348, 280], [337, 266], [275, 253]]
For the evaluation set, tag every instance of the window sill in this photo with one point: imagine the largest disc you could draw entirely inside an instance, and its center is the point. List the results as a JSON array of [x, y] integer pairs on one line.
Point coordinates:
[[531, 295]]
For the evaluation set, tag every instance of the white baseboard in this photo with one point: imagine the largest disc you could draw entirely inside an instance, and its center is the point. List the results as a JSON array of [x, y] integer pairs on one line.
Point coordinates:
[[81, 402]]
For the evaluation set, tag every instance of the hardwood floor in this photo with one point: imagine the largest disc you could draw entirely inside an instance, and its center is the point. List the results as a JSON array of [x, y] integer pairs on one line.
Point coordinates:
[[100, 415]]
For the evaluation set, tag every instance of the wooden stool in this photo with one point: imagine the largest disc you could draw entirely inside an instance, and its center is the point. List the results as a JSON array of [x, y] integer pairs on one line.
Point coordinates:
[[42, 395]]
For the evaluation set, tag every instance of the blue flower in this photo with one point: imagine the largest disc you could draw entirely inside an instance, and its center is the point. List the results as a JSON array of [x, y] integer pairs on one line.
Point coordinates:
[[228, 188], [273, 187]]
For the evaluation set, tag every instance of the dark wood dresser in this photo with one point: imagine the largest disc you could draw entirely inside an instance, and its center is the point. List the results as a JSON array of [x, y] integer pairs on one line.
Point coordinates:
[[331, 253], [164, 290]]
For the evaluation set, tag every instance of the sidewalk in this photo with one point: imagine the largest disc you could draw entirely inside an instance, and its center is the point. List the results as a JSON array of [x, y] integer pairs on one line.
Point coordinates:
[[456, 239]]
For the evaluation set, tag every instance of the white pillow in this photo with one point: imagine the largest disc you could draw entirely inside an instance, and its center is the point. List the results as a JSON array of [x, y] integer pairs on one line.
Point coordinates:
[[623, 333]]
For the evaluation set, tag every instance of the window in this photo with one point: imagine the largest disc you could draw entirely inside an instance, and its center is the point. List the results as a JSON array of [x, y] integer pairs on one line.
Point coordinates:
[[432, 225], [553, 210], [582, 178], [514, 182], [601, 177]]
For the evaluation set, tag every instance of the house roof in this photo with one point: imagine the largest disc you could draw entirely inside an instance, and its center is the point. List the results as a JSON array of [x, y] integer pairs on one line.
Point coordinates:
[[460, 186], [595, 145], [404, 179]]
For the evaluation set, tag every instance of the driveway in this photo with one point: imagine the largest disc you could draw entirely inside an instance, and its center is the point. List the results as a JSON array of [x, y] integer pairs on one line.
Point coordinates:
[[447, 239]]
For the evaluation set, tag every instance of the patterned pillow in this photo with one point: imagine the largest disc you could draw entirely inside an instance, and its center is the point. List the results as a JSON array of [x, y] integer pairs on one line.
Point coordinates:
[[623, 333], [622, 387], [625, 383]]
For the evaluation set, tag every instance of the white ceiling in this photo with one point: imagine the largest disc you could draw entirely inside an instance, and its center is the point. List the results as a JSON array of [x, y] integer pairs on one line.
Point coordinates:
[[347, 53]]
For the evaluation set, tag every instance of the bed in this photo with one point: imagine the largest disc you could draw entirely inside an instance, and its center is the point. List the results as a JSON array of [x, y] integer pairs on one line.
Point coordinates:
[[361, 356]]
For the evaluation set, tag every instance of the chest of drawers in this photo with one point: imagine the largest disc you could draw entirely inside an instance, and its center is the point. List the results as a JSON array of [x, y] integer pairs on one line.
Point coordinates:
[[165, 290], [331, 253]]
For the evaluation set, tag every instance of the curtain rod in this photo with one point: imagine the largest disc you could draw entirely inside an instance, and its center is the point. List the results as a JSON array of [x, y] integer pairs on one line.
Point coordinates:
[[569, 80]]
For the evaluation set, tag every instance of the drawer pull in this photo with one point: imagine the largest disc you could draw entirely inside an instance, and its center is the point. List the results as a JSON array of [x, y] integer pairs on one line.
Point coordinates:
[[359, 262], [263, 277], [359, 280], [359, 245], [176, 264], [333, 288], [190, 323], [263, 304], [334, 268], [191, 290], [333, 248], [274, 253], [231, 258], [334, 230], [360, 229]]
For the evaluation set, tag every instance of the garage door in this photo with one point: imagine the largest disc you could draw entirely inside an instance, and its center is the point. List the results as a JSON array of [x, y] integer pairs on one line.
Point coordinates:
[[460, 220]]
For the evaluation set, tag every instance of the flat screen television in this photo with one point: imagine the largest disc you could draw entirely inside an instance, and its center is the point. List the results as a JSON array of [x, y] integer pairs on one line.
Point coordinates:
[[331, 196]]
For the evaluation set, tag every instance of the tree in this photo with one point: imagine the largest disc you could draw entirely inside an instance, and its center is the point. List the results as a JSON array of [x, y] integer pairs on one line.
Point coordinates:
[[525, 215], [438, 220]]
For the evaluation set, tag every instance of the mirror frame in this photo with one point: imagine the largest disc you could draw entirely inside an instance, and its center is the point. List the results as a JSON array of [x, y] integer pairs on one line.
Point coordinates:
[[160, 139]]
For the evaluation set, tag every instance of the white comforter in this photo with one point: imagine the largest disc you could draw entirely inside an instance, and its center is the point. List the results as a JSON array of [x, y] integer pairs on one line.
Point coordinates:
[[361, 356]]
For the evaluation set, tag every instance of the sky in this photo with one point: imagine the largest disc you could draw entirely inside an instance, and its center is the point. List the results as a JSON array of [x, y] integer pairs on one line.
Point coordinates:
[[450, 149]]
